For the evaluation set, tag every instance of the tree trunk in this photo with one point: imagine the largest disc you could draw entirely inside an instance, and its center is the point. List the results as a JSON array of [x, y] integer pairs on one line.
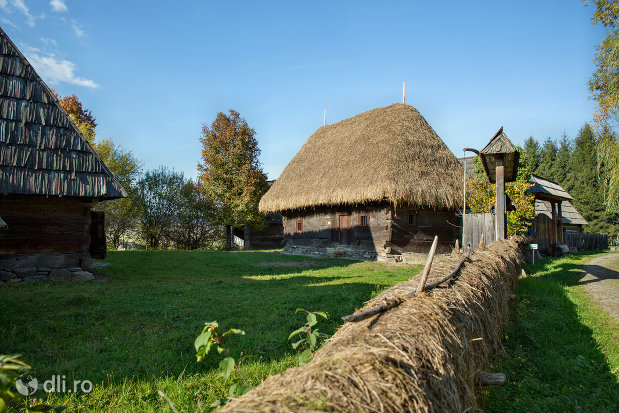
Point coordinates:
[[246, 237], [229, 235]]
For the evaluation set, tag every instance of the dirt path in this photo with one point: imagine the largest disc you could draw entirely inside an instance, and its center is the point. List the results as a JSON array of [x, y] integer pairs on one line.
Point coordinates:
[[601, 281]]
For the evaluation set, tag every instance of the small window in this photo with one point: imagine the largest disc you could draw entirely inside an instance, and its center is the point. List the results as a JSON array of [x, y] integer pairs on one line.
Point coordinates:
[[363, 220], [412, 218], [299, 227]]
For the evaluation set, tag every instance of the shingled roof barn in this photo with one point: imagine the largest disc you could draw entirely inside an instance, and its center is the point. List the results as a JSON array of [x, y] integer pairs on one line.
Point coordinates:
[[50, 177], [380, 182]]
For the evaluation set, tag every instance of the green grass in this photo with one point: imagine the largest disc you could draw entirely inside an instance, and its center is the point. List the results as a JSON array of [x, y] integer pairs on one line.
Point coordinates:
[[132, 333], [562, 351]]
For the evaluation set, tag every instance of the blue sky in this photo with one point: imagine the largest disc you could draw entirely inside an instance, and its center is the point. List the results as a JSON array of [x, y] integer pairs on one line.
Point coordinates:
[[153, 72]]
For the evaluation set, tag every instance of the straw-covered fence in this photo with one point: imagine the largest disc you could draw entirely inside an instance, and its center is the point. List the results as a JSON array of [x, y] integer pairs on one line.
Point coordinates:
[[427, 354]]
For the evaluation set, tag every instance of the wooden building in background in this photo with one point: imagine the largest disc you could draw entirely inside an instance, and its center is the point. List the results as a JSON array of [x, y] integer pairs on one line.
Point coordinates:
[[50, 176], [380, 182], [554, 213]]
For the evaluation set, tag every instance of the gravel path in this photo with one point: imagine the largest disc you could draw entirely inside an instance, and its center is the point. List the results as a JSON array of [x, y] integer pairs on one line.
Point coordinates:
[[601, 281]]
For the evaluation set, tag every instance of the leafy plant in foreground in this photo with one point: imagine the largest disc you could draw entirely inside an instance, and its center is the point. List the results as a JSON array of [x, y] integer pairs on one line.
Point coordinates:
[[204, 342], [11, 370], [310, 338]]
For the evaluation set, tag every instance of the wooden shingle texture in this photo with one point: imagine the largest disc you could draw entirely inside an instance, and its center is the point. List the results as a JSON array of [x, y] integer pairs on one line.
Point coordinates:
[[42, 152]]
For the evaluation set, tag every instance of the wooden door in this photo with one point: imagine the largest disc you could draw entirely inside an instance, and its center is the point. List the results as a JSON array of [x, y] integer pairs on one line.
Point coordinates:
[[345, 229], [98, 245]]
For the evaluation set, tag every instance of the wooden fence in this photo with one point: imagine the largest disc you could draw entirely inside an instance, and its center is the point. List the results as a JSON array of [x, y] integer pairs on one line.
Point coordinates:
[[476, 225], [587, 242]]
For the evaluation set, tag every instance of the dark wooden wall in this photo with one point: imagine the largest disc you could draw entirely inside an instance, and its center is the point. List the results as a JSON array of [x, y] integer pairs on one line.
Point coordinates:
[[39, 224], [320, 227], [387, 227], [417, 234]]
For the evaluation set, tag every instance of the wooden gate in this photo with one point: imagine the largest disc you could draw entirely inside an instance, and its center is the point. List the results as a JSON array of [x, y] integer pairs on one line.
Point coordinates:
[[474, 226]]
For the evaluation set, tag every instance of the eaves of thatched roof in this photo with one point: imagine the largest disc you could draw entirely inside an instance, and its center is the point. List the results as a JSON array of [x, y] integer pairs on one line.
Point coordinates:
[[42, 152], [389, 153]]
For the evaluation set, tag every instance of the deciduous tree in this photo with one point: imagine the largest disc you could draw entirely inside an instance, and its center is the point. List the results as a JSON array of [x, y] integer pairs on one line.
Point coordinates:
[[230, 173]]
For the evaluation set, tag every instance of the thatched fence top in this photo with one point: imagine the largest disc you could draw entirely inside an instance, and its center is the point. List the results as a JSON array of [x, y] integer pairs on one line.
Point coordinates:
[[425, 355]]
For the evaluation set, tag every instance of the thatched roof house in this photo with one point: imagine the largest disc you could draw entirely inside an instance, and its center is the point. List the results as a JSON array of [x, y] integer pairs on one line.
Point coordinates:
[[50, 176], [382, 166]]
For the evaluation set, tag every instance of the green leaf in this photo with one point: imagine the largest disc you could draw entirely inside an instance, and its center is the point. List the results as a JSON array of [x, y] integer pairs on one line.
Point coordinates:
[[202, 339], [220, 350], [201, 353], [298, 310], [242, 389], [60, 409], [226, 367], [234, 331], [298, 331], [311, 319], [322, 314], [295, 345], [304, 356], [232, 389], [213, 324], [311, 338]]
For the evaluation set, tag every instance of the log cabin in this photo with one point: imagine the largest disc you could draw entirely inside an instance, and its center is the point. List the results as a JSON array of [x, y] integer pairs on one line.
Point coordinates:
[[382, 182], [50, 177], [555, 216]]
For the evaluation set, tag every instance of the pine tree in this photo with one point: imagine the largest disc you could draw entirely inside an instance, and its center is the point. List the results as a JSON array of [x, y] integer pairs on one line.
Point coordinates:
[[532, 151], [582, 182], [548, 155], [561, 167]]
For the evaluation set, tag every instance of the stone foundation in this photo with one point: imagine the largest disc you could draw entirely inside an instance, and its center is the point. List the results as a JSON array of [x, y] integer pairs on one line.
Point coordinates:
[[22, 268]]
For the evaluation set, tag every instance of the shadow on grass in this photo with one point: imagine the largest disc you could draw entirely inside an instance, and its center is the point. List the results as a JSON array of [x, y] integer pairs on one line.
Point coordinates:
[[141, 322], [553, 361]]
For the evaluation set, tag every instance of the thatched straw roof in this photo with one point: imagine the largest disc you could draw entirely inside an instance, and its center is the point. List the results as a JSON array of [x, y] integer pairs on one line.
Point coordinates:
[[389, 153], [42, 152]]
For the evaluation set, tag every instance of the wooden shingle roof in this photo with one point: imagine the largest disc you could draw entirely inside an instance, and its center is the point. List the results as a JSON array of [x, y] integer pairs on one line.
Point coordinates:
[[570, 214], [546, 189], [42, 152], [500, 145]]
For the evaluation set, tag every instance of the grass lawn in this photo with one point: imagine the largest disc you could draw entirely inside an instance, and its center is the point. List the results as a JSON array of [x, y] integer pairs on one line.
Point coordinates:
[[132, 333], [562, 351]]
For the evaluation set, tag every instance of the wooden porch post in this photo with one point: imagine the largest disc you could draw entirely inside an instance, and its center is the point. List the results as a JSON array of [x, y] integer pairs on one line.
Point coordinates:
[[499, 209], [553, 231], [560, 223]]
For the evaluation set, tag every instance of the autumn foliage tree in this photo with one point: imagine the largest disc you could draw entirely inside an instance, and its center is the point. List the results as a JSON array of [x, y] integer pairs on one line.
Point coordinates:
[[230, 174], [83, 118], [482, 196]]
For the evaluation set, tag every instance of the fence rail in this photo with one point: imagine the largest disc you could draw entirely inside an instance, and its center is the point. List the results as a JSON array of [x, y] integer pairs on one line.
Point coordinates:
[[587, 242]]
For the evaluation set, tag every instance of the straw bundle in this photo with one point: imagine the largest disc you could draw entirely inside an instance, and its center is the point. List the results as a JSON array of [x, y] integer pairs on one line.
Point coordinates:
[[387, 153], [424, 355]]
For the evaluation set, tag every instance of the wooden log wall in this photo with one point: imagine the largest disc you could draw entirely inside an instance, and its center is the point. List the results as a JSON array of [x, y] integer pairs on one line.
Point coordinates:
[[414, 230], [38, 224], [320, 227]]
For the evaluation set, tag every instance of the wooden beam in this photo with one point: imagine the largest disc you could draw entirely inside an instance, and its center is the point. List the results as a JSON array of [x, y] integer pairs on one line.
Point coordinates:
[[426, 270], [553, 230], [560, 222], [499, 209]]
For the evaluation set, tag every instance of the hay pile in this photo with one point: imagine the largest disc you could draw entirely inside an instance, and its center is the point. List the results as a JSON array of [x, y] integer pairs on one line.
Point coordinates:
[[424, 355]]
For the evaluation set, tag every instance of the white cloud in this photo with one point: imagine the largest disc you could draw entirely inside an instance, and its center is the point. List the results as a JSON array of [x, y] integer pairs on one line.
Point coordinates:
[[76, 29], [7, 22], [21, 6], [48, 42], [55, 70], [58, 6]]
